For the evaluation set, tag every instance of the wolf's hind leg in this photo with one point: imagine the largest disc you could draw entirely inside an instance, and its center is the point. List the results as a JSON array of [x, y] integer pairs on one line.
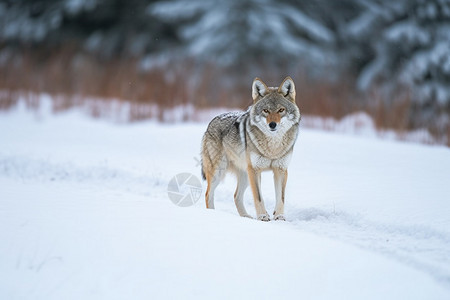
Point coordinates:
[[213, 182], [242, 184], [213, 178]]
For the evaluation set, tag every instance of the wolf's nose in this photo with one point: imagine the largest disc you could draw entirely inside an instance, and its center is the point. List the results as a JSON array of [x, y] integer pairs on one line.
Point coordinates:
[[272, 125]]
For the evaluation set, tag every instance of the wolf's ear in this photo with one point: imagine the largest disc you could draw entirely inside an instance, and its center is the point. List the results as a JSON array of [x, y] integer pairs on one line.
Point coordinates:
[[287, 88], [259, 89]]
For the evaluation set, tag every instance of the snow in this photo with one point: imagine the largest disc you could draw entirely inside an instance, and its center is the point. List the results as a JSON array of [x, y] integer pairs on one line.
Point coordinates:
[[313, 28], [407, 32], [361, 124], [74, 7], [361, 25], [84, 213]]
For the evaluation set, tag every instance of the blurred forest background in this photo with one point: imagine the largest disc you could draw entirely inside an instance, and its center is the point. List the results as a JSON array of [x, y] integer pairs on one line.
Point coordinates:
[[390, 59]]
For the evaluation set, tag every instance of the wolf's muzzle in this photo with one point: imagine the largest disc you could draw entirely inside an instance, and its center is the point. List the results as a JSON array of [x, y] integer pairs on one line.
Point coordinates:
[[272, 125]]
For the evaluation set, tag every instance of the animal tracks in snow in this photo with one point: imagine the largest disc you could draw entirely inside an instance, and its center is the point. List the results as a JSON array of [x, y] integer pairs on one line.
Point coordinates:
[[421, 247]]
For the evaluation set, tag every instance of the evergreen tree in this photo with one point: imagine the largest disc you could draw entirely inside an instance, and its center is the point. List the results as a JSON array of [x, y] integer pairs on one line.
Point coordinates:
[[405, 43], [106, 27], [243, 32]]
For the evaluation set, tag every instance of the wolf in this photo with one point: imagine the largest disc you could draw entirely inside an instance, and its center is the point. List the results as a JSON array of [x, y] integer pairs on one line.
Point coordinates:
[[248, 143]]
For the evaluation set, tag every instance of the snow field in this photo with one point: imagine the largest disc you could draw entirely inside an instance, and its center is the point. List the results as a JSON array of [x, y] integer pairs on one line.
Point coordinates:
[[84, 213]]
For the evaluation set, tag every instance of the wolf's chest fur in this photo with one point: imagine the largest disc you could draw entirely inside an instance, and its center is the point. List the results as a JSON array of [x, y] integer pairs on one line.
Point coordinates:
[[272, 152], [272, 145]]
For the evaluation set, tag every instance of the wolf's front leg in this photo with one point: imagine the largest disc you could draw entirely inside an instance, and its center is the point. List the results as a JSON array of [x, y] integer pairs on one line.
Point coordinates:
[[280, 179], [254, 177]]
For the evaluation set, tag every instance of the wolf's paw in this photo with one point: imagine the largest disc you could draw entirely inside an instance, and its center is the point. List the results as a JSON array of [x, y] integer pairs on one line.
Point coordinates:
[[247, 216], [279, 217], [264, 217]]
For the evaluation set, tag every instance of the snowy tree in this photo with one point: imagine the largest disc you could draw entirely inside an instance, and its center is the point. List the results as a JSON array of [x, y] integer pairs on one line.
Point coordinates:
[[244, 32], [405, 43], [106, 27], [27, 21]]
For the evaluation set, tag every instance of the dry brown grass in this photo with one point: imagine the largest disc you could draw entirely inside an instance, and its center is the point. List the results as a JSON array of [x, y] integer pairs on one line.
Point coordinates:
[[72, 77]]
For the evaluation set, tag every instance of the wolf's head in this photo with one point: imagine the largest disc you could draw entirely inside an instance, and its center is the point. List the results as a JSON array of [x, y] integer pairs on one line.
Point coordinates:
[[274, 108]]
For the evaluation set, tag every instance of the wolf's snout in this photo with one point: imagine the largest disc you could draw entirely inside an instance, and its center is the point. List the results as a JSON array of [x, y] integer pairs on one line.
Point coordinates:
[[272, 125]]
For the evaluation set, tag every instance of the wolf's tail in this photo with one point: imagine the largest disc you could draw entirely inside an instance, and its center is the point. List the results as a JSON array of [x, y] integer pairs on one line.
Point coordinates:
[[203, 172]]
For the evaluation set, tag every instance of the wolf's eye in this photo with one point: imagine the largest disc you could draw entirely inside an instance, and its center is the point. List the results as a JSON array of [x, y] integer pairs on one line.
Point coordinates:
[[281, 110], [266, 111]]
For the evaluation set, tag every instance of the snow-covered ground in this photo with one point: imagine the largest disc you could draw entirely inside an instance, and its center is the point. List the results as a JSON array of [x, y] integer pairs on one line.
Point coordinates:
[[84, 214]]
